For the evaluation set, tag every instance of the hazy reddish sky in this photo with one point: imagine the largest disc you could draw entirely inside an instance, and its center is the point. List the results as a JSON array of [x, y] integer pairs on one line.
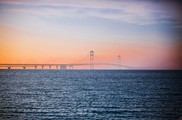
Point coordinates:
[[146, 33]]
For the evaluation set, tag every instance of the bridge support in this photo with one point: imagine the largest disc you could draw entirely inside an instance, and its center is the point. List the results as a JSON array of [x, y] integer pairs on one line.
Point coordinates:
[[9, 67], [49, 66], [24, 67], [35, 67], [63, 67], [71, 67], [91, 60], [119, 61], [42, 67], [56, 67]]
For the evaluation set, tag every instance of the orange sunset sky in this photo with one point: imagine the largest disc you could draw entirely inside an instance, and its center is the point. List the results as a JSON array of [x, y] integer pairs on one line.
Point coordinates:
[[147, 34]]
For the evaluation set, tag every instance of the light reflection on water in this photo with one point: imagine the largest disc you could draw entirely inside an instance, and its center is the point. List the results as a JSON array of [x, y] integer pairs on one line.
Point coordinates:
[[51, 94]]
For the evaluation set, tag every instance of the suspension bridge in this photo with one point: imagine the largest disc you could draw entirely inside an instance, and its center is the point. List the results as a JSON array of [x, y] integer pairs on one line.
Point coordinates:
[[90, 65]]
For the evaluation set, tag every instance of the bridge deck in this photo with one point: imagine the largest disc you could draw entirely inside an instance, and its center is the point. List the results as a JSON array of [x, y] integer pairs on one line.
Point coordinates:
[[61, 66]]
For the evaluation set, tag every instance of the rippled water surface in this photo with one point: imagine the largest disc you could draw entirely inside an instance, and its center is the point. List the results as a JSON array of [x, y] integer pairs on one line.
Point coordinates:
[[98, 94]]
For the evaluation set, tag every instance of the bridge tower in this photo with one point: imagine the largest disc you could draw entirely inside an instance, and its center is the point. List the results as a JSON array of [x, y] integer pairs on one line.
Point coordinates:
[[119, 61], [91, 60]]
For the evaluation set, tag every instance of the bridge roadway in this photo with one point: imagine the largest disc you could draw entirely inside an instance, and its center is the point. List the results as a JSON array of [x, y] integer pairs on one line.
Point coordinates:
[[58, 66]]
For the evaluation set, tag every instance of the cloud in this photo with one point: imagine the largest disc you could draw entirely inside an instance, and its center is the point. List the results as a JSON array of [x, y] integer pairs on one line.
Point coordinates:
[[179, 26], [138, 12]]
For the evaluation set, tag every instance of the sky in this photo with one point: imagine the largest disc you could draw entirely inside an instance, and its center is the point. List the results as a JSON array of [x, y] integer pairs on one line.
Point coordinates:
[[147, 34]]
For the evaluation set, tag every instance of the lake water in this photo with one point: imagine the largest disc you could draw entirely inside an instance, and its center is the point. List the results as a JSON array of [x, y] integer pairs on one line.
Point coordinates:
[[84, 94]]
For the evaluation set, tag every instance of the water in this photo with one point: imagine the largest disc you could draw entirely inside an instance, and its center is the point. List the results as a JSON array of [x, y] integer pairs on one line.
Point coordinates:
[[111, 94]]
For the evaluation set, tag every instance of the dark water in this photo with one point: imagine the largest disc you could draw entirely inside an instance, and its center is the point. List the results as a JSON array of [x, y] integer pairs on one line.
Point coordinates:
[[125, 95]]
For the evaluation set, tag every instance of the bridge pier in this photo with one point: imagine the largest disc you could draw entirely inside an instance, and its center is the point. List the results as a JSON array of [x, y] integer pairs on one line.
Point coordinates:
[[56, 67], [63, 67], [9, 67], [24, 67], [71, 67], [35, 67], [42, 67], [49, 66]]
